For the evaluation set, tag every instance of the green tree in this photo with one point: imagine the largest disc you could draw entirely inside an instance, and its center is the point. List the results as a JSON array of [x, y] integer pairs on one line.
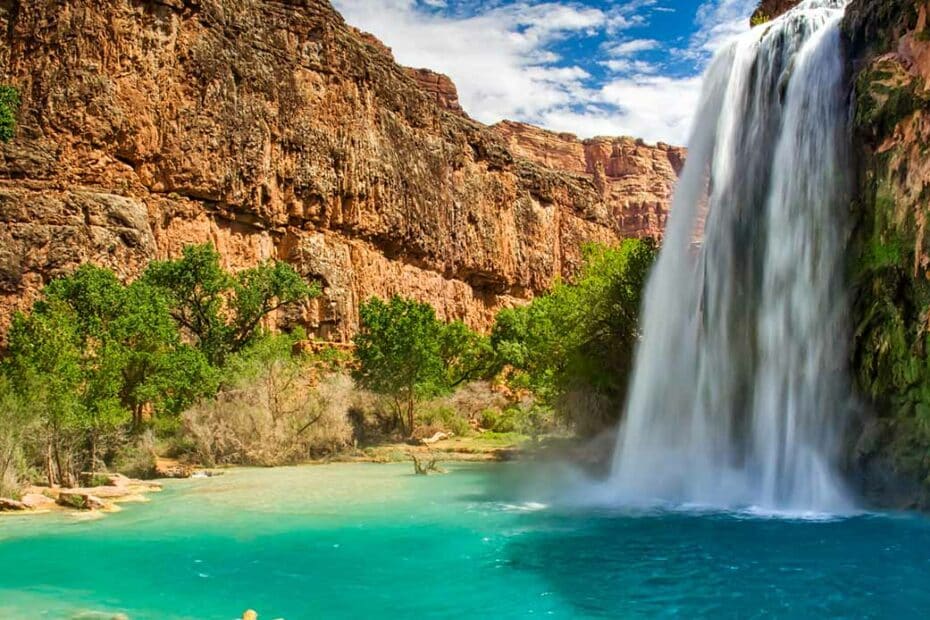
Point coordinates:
[[466, 355], [406, 354], [399, 352], [94, 354], [220, 311], [44, 366], [9, 107], [158, 371], [581, 337], [133, 356]]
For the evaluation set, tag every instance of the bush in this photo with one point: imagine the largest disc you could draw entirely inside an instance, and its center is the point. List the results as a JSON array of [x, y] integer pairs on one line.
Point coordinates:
[[16, 429], [473, 398], [442, 418], [528, 418], [136, 458], [272, 416]]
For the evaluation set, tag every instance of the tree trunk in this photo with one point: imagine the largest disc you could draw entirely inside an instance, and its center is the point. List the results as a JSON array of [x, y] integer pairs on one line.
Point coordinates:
[[49, 470], [410, 417], [93, 451]]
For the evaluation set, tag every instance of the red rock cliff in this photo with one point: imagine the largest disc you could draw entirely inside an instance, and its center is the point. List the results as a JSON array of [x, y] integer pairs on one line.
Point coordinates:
[[273, 129]]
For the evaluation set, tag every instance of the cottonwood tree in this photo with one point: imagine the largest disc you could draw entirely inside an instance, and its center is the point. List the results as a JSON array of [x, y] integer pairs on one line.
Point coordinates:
[[407, 355]]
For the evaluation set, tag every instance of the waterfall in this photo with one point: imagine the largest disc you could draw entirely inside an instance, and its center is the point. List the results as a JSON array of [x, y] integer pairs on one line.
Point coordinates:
[[739, 392]]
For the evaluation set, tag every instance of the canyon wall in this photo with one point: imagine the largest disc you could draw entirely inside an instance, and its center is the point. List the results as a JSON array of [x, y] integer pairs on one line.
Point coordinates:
[[888, 43], [273, 129]]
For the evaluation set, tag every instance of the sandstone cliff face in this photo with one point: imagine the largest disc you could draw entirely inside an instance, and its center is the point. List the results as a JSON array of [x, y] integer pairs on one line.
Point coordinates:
[[629, 174], [439, 86], [889, 49], [273, 129]]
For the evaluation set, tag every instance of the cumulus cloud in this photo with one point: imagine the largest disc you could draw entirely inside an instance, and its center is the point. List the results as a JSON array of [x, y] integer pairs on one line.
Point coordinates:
[[632, 46], [509, 60]]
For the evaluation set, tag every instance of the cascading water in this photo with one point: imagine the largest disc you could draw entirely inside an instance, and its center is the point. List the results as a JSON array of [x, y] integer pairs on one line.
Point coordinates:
[[739, 394]]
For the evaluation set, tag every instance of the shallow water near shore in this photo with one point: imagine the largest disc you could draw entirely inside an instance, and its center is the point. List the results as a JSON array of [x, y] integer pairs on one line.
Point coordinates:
[[485, 540]]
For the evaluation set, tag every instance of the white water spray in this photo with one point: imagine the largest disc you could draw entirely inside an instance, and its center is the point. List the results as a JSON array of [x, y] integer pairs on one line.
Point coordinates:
[[739, 394]]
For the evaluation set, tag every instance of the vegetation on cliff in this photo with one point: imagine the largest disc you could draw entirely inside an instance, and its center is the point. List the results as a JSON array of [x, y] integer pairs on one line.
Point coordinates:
[[889, 251], [9, 106]]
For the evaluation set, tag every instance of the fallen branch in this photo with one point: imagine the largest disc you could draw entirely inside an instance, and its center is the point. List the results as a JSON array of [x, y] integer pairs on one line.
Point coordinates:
[[426, 467]]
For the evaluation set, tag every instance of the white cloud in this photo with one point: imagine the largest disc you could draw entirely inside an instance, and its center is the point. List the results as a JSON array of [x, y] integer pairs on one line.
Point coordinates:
[[719, 21], [633, 46], [505, 63], [624, 65]]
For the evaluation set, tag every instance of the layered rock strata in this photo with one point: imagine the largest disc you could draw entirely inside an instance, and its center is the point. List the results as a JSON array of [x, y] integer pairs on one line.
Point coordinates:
[[273, 129]]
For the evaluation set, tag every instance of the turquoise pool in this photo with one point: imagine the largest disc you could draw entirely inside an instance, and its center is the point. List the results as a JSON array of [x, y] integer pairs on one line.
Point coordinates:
[[484, 541]]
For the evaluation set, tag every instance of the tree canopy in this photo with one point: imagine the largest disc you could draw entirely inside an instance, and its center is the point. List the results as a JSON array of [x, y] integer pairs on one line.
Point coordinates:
[[406, 354], [222, 312], [581, 337]]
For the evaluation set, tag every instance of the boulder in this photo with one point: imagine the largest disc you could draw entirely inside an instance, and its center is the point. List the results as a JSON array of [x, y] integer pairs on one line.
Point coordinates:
[[37, 501], [80, 501], [10, 505]]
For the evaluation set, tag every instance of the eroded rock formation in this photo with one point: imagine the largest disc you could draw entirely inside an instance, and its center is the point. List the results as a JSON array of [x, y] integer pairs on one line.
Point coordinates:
[[274, 129], [630, 175]]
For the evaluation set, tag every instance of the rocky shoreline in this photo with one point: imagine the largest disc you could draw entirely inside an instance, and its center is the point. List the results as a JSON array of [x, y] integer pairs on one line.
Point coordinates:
[[101, 493]]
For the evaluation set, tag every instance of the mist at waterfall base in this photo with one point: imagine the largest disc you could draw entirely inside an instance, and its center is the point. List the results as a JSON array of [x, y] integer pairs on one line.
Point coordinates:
[[738, 398]]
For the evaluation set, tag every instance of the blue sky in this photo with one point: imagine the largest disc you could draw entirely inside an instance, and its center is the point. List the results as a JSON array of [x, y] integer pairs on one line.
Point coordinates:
[[590, 67]]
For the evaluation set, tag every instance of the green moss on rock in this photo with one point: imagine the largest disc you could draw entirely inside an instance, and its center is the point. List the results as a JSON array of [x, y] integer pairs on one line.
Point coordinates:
[[891, 287]]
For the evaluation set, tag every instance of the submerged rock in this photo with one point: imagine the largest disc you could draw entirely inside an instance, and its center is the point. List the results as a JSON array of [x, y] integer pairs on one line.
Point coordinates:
[[99, 615]]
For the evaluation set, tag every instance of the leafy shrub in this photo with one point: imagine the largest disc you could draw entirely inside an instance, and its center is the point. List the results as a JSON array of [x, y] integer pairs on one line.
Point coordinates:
[[136, 457], [443, 418], [525, 418], [759, 17]]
